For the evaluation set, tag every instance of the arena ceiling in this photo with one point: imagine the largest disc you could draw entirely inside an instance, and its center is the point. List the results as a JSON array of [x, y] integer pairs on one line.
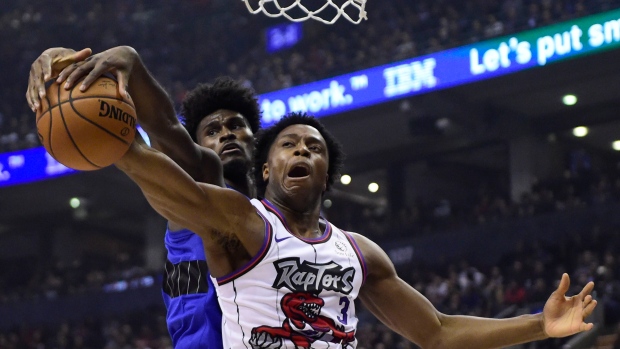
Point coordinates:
[[478, 120]]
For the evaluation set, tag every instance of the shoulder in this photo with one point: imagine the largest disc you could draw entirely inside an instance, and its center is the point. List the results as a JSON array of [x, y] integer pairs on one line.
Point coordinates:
[[377, 261], [368, 247]]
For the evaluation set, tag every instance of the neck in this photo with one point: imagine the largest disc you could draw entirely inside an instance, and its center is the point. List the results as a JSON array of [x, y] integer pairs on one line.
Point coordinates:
[[244, 185], [302, 221]]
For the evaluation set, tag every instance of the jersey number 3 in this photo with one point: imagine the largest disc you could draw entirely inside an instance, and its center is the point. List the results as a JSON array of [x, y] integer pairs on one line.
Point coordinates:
[[344, 309]]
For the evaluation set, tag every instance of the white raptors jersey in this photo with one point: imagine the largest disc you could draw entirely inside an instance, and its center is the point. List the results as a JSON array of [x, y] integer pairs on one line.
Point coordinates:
[[295, 293]]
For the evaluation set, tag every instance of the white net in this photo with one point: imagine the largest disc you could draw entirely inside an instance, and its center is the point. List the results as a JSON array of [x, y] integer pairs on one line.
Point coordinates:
[[295, 10]]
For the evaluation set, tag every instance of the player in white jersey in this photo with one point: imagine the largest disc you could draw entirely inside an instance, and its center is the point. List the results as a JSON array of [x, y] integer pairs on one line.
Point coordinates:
[[313, 281], [264, 300]]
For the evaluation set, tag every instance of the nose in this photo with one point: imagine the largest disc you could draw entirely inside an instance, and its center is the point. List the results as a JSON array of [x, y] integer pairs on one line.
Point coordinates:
[[302, 150], [227, 135]]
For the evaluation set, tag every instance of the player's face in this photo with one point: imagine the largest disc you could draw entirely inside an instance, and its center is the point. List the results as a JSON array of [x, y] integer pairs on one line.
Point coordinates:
[[228, 134], [297, 163]]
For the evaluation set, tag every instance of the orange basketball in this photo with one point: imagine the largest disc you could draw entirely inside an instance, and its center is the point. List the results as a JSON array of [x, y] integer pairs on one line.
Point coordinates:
[[86, 130]]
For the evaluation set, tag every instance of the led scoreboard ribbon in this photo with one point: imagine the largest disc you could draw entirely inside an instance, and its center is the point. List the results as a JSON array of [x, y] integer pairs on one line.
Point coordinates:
[[440, 70]]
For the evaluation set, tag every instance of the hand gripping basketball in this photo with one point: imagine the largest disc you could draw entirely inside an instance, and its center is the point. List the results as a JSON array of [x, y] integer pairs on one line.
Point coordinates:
[[86, 130]]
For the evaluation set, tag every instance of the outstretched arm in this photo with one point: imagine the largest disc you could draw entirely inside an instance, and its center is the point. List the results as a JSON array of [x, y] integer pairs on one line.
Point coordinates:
[[202, 208], [410, 314]]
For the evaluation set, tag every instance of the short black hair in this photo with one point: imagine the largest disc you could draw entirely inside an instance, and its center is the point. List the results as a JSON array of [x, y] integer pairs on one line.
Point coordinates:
[[223, 93], [266, 137]]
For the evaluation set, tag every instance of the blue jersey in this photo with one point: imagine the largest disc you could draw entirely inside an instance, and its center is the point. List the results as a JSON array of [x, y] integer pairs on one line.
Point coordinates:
[[193, 316]]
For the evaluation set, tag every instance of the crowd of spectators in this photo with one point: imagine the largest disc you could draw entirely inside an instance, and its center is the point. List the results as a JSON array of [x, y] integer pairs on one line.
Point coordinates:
[[573, 189], [45, 280], [139, 330], [187, 42]]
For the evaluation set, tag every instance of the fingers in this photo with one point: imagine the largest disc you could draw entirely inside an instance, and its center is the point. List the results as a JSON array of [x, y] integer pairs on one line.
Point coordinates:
[[33, 101], [587, 289], [82, 55], [60, 62], [31, 94], [49, 63], [44, 62], [122, 85], [564, 285], [64, 74], [587, 300], [589, 308], [40, 71], [35, 91], [586, 327], [97, 71], [78, 71]]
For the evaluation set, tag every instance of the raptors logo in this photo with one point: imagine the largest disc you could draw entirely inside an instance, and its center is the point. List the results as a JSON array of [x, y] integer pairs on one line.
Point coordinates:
[[303, 325]]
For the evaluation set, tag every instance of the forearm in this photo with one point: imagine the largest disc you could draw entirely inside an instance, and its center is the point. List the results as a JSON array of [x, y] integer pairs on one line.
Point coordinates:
[[409, 313], [154, 107], [157, 116], [464, 332], [169, 190], [180, 199]]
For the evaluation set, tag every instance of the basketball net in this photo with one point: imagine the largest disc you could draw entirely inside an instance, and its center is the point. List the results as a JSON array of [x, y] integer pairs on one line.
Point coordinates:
[[278, 10]]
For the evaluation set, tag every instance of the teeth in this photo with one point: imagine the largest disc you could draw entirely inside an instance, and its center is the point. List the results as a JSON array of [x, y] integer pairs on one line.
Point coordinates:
[[310, 310]]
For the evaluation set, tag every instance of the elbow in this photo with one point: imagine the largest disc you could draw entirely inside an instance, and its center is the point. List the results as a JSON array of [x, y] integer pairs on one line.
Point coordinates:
[[436, 337]]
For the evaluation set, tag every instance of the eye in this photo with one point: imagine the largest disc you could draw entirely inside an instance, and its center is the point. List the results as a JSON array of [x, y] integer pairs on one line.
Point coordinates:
[[315, 148], [287, 144], [211, 132]]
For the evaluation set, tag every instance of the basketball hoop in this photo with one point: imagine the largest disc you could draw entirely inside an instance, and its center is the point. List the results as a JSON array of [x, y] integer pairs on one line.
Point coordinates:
[[298, 12]]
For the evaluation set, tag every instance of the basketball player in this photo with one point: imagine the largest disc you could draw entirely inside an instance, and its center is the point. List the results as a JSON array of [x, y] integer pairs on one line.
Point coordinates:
[[220, 119], [299, 288]]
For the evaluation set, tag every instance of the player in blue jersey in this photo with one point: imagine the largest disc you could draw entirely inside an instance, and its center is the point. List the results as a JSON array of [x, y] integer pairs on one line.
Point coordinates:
[[214, 146]]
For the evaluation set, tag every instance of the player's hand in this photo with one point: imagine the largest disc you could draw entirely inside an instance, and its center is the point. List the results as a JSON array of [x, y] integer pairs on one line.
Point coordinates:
[[564, 316], [48, 66], [118, 60]]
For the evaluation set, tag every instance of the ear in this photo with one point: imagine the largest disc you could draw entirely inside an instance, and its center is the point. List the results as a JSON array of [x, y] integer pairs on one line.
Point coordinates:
[[265, 172]]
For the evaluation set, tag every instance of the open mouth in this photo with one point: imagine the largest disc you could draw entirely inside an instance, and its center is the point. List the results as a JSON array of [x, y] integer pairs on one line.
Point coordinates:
[[310, 310], [299, 171], [231, 148]]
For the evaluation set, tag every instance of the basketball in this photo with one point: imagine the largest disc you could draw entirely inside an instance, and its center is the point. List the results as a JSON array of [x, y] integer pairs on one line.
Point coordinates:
[[86, 130]]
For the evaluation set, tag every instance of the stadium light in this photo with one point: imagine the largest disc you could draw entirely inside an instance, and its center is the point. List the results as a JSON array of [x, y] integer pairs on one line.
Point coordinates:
[[580, 131], [616, 145], [373, 187], [345, 179], [327, 203], [74, 203], [569, 100]]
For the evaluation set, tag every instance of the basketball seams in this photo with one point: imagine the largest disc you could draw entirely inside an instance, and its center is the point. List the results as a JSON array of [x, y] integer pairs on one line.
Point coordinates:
[[94, 123], [62, 116], [71, 99], [49, 139], [47, 98]]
